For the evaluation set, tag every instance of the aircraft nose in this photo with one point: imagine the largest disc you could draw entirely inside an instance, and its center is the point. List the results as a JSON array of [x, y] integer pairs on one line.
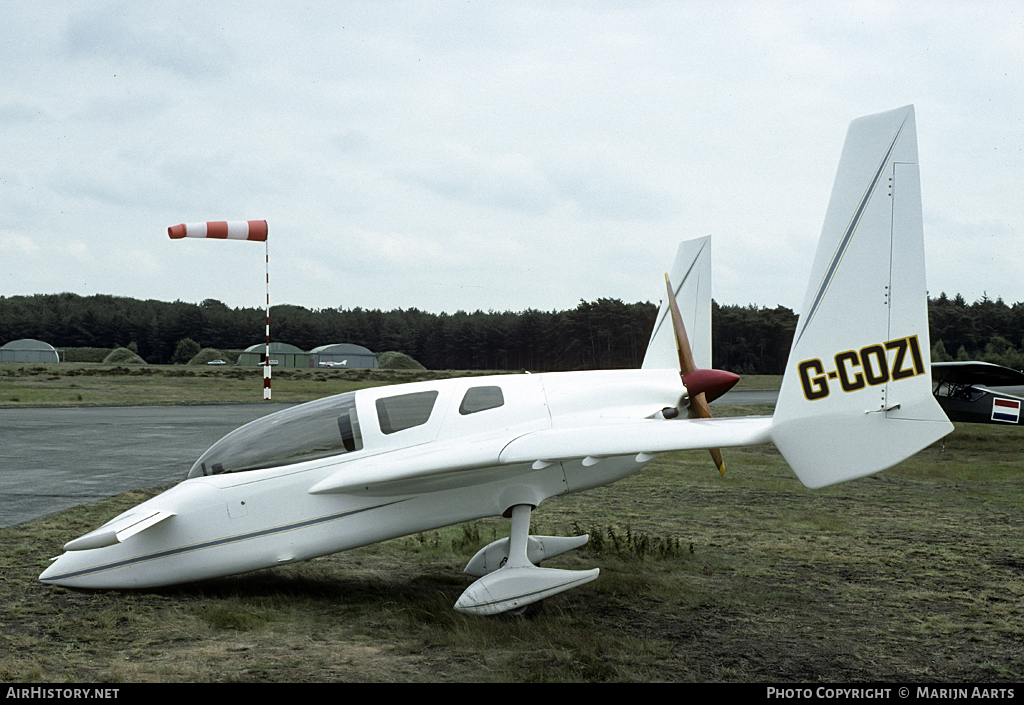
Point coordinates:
[[53, 570]]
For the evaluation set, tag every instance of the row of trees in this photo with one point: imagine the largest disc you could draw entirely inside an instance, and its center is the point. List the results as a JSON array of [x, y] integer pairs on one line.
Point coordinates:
[[602, 334], [985, 330]]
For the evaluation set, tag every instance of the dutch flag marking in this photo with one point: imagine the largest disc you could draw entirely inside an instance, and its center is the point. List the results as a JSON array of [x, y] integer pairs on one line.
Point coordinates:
[[1006, 410]]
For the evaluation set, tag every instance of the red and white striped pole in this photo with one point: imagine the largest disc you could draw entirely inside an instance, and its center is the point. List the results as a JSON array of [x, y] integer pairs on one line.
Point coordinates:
[[266, 366], [254, 230]]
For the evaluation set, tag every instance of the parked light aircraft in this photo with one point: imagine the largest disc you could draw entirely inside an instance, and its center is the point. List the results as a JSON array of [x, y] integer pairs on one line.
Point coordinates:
[[979, 392], [370, 465]]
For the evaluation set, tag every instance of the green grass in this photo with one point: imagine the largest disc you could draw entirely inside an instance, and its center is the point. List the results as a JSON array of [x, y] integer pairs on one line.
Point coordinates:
[[91, 384], [756, 382]]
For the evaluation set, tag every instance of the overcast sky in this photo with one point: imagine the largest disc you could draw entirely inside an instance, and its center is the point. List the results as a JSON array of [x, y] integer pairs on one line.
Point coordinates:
[[489, 155]]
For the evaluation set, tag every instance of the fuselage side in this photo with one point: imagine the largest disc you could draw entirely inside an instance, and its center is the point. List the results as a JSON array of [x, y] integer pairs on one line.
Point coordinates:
[[238, 521]]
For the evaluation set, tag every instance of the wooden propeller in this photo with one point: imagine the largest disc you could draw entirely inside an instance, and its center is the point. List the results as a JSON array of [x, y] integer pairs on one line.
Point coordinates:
[[716, 380]]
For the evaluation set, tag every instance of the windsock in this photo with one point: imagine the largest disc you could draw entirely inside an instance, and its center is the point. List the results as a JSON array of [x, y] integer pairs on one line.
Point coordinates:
[[255, 230], [222, 230]]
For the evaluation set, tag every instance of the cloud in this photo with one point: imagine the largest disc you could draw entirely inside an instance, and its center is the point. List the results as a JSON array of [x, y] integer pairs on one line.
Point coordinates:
[[504, 156], [115, 35], [17, 245], [507, 181]]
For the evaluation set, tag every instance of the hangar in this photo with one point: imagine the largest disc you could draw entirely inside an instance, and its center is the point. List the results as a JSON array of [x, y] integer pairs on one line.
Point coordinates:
[[343, 355], [28, 350], [281, 355]]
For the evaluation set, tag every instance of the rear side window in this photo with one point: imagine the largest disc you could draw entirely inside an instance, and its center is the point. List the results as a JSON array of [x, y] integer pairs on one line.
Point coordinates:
[[481, 399], [404, 411]]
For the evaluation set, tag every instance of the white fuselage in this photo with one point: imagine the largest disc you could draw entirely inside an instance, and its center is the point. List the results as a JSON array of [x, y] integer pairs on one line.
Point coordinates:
[[235, 522]]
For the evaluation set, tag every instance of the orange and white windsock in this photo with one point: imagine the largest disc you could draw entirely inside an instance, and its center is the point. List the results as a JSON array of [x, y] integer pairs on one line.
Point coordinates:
[[222, 230]]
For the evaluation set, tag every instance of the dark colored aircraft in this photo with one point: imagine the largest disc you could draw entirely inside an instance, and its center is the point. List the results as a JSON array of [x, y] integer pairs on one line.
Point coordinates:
[[979, 392]]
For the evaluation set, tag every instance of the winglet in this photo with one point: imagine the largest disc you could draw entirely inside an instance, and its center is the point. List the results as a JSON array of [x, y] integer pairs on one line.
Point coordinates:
[[856, 397], [691, 273]]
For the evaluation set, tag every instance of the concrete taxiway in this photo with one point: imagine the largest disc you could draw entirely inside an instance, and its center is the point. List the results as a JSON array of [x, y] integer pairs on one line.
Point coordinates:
[[56, 458]]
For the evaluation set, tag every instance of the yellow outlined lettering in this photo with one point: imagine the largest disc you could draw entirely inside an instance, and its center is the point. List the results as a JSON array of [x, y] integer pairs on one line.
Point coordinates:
[[881, 376], [857, 369], [849, 385], [814, 387], [900, 346]]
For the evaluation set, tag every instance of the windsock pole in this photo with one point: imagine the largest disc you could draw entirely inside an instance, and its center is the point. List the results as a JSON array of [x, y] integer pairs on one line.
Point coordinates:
[[266, 366]]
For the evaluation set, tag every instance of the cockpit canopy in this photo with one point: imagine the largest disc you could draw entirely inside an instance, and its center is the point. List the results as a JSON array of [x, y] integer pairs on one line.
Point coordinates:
[[318, 429], [329, 427]]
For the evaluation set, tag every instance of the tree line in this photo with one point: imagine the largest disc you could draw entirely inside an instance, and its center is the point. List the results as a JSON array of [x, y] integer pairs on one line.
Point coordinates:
[[602, 334]]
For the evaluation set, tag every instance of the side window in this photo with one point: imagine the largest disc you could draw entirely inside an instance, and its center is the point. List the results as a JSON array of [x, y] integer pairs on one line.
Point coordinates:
[[404, 411], [481, 399]]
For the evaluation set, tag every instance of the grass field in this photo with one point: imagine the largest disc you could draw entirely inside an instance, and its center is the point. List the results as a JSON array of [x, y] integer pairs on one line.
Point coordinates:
[[78, 384], [912, 575]]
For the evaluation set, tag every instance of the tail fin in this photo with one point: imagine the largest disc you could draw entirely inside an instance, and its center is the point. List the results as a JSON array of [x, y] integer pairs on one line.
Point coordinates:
[[856, 397], [691, 274]]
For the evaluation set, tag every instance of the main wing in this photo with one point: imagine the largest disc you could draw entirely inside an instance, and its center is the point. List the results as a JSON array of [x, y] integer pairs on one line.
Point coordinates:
[[421, 468], [647, 436]]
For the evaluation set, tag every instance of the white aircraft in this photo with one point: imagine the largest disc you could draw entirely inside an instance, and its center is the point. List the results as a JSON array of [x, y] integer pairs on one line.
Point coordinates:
[[371, 465]]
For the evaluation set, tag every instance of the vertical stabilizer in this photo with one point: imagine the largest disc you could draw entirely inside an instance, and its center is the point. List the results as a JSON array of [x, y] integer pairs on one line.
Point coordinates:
[[856, 397], [691, 276]]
